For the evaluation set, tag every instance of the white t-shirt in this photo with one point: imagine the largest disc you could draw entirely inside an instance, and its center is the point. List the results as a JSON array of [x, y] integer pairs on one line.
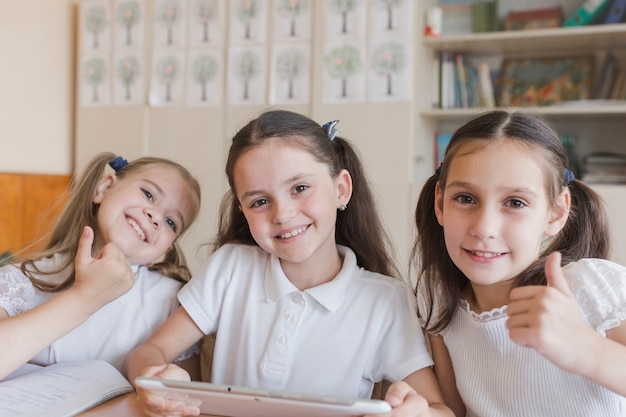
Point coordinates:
[[497, 377], [111, 332], [337, 338]]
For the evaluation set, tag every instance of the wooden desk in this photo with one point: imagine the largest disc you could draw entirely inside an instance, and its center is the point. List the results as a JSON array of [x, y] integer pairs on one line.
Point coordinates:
[[125, 405]]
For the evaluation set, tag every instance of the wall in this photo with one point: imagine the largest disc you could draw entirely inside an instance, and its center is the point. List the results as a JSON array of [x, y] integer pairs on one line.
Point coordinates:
[[199, 139], [36, 80]]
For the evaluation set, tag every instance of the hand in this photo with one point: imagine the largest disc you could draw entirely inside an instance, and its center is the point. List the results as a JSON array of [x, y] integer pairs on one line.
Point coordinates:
[[405, 402], [104, 278], [547, 319], [158, 404]]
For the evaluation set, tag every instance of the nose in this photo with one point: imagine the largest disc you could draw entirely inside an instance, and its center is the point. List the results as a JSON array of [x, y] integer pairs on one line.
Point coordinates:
[[154, 217], [485, 223], [284, 210]]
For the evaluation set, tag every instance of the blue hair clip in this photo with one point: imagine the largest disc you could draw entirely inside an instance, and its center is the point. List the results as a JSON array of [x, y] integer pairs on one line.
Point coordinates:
[[118, 163], [330, 129], [569, 176]]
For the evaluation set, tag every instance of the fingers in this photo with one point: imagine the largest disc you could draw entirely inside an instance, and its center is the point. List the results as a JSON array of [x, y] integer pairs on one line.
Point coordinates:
[[156, 403], [83, 254], [397, 393], [554, 274]]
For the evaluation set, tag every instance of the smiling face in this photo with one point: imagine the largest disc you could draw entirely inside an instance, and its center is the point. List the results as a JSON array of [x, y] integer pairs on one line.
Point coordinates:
[[494, 210], [144, 212], [290, 202]]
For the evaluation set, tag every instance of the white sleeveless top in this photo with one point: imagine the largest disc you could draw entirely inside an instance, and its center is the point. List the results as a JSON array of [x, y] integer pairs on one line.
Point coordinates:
[[497, 377]]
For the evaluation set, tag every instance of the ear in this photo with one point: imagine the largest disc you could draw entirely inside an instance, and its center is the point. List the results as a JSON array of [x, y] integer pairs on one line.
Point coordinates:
[[343, 182], [439, 203], [559, 213], [103, 186]]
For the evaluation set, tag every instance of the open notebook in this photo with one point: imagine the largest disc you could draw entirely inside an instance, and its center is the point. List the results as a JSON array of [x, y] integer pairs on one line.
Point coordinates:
[[230, 400]]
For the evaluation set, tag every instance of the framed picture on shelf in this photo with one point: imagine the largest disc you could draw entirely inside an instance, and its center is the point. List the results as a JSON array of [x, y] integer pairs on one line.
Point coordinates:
[[551, 17], [545, 81]]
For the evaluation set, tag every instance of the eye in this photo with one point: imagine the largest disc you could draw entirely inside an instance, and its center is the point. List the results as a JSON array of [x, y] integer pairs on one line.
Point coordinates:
[[300, 188], [172, 224], [515, 203], [148, 194], [260, 202], [464, 199]]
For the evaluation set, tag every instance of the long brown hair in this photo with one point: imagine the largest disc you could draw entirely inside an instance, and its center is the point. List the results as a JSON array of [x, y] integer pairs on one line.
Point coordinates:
[[80, 211], [358, 227], [585, 234]]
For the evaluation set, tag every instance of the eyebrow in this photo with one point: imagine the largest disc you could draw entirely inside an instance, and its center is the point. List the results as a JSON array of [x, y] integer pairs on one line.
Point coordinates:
[[463, 184], [160, 191], [294, 178]]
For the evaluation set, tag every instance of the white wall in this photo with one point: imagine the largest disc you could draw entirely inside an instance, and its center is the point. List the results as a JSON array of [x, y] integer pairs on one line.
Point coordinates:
[[36, 84]]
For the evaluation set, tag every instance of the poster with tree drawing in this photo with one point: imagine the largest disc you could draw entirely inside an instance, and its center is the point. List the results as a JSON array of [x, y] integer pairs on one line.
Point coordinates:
[[344, 75], [95, 25], [248, 21], [166, 88], [344, 18], [390, 70], [205, 69], [94, 80], [292, 20], [246, 75], [129, 24], [390, 16], [128, 86], [205, 22], [290, 73], [169, 23]]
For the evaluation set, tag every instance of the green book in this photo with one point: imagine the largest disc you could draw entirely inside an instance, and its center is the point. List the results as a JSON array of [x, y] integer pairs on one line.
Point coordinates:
[[588, 13], [485, 16]]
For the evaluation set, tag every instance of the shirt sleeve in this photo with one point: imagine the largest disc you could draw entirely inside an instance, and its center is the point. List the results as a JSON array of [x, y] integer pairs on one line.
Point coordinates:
[[599, 287], [203, 296], [16, 291], [402, 349]]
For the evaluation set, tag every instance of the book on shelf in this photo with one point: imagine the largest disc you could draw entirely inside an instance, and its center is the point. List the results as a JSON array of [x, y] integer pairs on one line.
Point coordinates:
[[486, 91], [616, 12], [611, 83], [442, 139], [61, 390], [604, 168], [485, 16], [447, 89], [589, 13], [461, 81]]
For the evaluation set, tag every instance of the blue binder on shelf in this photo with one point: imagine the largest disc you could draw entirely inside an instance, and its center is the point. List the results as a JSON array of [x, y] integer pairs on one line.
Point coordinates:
[[588, 13], [616, 13]]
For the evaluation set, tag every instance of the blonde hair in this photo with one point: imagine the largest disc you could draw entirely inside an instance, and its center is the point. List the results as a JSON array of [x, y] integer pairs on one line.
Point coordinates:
[[81, 211]]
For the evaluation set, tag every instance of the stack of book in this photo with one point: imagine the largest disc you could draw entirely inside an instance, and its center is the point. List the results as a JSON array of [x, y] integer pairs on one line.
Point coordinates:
[[604, 168], [464, 85]]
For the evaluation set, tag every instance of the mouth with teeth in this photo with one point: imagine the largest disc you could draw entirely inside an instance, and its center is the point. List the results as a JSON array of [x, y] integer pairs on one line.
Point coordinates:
[[481, 254], [137, 229], [293, 233]]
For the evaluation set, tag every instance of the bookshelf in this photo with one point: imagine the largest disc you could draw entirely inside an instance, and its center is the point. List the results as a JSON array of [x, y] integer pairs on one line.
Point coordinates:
[[596, 125]]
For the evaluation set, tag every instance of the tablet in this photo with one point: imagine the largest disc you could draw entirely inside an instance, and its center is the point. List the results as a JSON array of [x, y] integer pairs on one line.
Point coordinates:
[[237, 401]]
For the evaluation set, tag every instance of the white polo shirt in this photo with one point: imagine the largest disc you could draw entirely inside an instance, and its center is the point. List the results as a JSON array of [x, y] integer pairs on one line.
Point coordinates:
[[338, 338]]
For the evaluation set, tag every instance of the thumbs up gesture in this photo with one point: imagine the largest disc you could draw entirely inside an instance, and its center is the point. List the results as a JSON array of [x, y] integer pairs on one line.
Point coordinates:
[[547, 319], [101, 279]]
